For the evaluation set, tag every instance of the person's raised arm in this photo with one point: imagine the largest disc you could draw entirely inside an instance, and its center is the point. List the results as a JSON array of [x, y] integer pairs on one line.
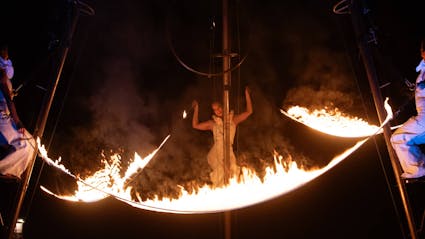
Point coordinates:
[[207, 125], [244, 115], [7, 95]]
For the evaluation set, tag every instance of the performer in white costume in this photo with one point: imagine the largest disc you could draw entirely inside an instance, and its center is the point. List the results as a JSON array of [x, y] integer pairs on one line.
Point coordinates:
[[16, 142], [216, 156], [411, 134]]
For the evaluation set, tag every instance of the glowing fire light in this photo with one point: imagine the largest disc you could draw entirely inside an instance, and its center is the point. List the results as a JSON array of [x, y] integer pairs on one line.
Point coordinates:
[[285, 176], [104, 182], [332, 122], [184, 114]]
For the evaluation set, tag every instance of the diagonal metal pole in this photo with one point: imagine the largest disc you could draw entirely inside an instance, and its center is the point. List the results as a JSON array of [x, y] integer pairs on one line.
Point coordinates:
[[359, 28], [42, 119]]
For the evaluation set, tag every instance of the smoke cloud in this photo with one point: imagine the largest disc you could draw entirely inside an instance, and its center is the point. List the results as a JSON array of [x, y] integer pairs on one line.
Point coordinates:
[[138, 91]]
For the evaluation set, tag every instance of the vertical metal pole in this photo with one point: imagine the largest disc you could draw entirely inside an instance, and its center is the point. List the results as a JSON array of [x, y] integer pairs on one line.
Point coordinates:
[[227, 225], [41, 122], [226, 89], [226, 105], [356, 13]]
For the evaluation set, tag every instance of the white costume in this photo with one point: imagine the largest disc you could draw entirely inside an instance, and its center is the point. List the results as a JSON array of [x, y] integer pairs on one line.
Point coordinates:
[[216, 156], [7, 67], [411, 134], [21, 152]]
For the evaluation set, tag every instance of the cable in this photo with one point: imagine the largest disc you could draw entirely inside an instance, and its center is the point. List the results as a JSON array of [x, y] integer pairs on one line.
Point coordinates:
[[212, 65]]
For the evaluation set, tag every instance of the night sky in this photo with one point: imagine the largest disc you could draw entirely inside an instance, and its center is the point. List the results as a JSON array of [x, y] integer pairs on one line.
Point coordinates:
[[122, 89]]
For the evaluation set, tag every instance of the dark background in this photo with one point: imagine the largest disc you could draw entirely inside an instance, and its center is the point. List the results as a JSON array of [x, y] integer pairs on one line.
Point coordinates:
[[122, 89]]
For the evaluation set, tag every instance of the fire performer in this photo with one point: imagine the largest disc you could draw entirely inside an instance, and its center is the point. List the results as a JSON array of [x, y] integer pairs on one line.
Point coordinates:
[[16, 143], [407, 139], [215, 156]]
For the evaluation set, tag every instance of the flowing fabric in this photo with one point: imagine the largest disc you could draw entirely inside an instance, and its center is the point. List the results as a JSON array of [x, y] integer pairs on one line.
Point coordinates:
[[21, 145], [407, 139], [216, 154], [18, 147]]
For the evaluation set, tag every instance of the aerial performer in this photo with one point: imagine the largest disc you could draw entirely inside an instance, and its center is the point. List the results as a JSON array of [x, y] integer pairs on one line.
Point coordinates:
[[407, 139], [16, 143], [215, 156]]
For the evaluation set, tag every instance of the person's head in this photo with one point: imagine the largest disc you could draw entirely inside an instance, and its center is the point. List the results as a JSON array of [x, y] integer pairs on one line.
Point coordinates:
[[4, 51], [217, 108]]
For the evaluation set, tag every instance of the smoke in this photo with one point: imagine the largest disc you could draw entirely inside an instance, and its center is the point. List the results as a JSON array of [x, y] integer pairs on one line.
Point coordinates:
[[298, 53], [138, 92], [119, 112], [112, 104], [325, 80], [286, 64], [318, 68]]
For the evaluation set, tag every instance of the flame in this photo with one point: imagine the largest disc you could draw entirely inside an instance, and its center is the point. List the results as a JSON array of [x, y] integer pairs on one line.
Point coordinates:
[[332, 122], [184, 114], [282, 177], [251, 190], [103, 182]]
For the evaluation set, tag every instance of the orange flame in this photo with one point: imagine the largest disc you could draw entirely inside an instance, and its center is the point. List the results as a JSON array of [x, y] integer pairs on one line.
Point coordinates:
[[284, 176], [104, 182], [332, 122]]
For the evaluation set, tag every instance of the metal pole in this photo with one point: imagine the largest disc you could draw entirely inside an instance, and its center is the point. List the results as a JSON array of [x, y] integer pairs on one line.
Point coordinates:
[[226, 89], [227, 225], [41, 121], [356, 13], [226, 105]]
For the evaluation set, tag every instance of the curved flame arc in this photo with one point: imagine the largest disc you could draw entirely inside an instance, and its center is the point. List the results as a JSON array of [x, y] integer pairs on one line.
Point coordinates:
[[284, 176], [334, 122]]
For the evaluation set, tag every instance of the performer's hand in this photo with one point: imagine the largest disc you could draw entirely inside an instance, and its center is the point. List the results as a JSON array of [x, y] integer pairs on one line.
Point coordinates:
[[19, 125], [247, 90], [13, 94], [195, 104]]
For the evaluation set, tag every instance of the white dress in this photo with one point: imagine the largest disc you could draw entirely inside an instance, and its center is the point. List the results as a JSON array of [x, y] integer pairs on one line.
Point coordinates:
[[17, 161], [216, 154], [23, 145], [406, 139]]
